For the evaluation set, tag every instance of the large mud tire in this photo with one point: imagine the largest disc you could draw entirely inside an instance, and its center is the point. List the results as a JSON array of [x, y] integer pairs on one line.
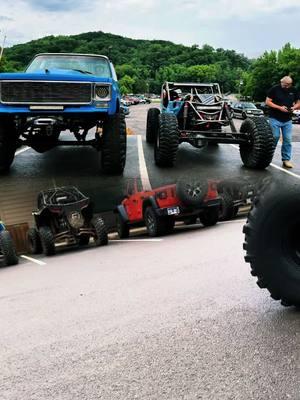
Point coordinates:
[[167, 140], [114, 139], [210, 216], [258, 154], [122, 227], [8, 143], [192, 191], [7, 249], [272, 242], [152, 125], [47, 240]]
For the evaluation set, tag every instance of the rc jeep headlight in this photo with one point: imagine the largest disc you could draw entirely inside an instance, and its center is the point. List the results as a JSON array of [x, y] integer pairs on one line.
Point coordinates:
[[102, 92]]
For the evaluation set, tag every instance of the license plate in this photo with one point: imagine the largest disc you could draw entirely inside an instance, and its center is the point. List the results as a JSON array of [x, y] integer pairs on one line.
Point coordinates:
[[173, 210]]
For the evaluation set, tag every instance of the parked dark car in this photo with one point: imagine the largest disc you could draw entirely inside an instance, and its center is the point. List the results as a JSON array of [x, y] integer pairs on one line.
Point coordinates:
[[244, 110]]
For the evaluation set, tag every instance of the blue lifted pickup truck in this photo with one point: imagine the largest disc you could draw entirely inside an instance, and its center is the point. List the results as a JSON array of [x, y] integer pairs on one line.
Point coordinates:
[[58, 92]]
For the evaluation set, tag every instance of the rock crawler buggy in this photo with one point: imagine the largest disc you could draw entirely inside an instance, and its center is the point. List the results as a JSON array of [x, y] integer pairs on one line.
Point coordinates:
[[64, 216], [196, 113], [63, 92]]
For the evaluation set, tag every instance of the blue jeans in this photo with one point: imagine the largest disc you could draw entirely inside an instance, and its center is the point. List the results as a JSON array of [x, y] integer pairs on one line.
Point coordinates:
[[286, 129]]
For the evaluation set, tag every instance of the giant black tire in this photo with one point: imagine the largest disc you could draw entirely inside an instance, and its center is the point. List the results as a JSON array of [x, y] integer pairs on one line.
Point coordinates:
[[114, 139], [210, 216], [167, 140], [34, 241], [8, 143], [227, 209], [259, 153], [272, 242], [152, 125], [191, 191], [101, 237], [122, 227], [156, 225], [7, 249], [47, 240]]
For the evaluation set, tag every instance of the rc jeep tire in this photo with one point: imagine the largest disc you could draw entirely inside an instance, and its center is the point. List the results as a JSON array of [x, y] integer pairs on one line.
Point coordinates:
[[210, 216], [47, 240], [191, 191], [227, 210], [152, 125], [114, 144], [8, 143], [259, 153], [272, 242], [7, 249], [156, 226], [101, 237], [167, 140], [34, 241]]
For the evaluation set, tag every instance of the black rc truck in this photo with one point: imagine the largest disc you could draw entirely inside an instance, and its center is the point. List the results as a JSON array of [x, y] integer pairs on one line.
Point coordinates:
[[64, 216], [197, 113]]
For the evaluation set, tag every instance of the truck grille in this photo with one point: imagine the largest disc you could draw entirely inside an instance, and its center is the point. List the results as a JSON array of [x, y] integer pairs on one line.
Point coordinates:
[[33, 92]]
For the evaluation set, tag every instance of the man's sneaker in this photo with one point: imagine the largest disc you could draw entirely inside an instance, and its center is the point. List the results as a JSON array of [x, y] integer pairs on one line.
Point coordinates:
[[287, 164]]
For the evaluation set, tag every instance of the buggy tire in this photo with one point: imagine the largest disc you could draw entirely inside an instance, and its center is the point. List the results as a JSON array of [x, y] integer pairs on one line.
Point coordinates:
[[272, 245], [84, 240], [156, 225], [259, 153], [192, 192], [114, 139], [122, 227], [152, 125], [101, 237], [7, 249], [34, 241], [167, 140], [210, 216], [227, 209], [47, 240], [8, 143]]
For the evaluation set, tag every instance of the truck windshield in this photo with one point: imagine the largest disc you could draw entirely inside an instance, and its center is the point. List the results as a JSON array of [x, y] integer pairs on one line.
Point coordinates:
[[83, 64]]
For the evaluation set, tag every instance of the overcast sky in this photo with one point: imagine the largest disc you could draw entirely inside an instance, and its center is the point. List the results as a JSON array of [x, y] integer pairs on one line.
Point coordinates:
[[249, 28]]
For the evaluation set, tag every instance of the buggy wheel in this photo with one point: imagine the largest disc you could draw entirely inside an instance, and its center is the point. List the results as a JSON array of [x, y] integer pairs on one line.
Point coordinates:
[[7, 249], [272, 242], [47, 240], [210, 216], [227, 208], [34, 241], [156, 226], [191, 191], [152, 125], [84, 240], [122, 227], [114, 138], [8, 143], [101, 238], [167, 140], [259, 152]]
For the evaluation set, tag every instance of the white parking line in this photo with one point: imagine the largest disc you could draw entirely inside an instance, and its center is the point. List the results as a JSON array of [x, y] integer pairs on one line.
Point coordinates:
[[22, 150], [138, 240], [142, 164], [33, 260], [275, 166]]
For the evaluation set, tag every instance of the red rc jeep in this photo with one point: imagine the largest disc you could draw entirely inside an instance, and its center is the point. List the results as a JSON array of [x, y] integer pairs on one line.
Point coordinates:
[[158, 209]]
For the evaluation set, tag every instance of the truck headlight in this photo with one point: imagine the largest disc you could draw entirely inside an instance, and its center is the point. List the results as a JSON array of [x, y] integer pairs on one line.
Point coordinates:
[[102, 92]]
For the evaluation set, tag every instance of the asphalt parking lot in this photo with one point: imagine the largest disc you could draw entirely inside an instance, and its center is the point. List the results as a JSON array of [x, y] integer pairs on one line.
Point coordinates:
[[79, 166]]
